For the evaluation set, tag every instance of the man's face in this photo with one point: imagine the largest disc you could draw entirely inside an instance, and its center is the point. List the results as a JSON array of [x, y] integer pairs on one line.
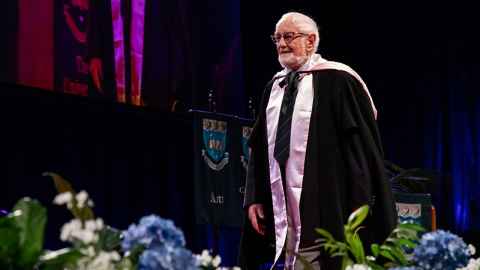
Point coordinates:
[[294, 53]]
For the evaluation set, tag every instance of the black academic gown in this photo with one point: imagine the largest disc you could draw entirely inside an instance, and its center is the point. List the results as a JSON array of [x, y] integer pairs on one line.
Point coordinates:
[[343, 170]]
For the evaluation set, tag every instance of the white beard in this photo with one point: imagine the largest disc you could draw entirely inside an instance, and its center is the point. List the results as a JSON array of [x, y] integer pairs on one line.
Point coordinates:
[[288, 60]]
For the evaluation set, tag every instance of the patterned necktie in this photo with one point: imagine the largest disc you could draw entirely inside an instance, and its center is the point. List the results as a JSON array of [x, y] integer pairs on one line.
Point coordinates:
[[282, 140]]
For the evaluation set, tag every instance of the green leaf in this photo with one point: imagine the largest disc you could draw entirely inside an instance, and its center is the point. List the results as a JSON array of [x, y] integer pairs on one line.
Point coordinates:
[[109, 239], [399, 255], [338, 254], [406, 243], [394, 254], [325, 234], [126, 264], [356, 247], [375, 249], [411, 226], [61, 259], [31, 224], [389, 265], [329, 247], [387, 255], [134, 254], [375, 266], [400, 243], [342, 246], [346, 261], [9, 240], [357, 217], [405, 233]]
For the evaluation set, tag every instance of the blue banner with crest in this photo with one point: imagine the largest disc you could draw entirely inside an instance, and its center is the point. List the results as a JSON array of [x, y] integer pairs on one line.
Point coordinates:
[[221, 155]]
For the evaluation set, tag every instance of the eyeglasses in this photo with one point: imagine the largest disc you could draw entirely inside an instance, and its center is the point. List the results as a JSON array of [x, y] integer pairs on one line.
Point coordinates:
[[287, 36]]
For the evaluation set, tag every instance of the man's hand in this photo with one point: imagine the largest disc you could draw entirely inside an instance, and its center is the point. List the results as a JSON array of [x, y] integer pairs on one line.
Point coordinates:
[[255, 214], [96, 72]]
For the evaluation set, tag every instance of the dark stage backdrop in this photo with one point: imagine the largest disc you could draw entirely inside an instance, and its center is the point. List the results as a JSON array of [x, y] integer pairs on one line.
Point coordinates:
[[191, 48], [420, 62], [132, 162], [8, 50], [126, 159]]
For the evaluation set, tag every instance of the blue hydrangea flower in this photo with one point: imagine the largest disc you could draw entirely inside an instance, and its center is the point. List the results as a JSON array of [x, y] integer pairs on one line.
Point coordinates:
[[164, 245], [183, 259], [441, 250], [153, 231], [164, 259], [153, 259]]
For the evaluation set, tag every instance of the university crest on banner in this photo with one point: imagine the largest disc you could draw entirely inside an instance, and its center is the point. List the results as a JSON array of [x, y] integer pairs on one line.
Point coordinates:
[[215, 142], [246, 131], [408, 210]]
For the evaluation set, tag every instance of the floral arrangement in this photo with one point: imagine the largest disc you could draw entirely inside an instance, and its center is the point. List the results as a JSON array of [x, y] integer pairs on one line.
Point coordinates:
[[156, 243], [153, 243], [441, 250], [402, 250], [162, 243]]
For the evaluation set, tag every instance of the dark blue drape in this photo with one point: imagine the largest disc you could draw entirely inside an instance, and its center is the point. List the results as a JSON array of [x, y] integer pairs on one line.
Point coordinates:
[[454, 136]]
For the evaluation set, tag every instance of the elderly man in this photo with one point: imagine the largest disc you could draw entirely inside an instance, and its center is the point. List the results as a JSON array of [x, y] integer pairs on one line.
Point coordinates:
[[316, 156]]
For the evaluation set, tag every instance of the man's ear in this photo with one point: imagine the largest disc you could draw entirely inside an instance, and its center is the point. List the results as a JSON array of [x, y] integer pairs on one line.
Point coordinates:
[[311, 41]]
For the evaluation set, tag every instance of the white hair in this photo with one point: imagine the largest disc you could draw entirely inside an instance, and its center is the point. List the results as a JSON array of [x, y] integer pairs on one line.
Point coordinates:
[[304, 23]]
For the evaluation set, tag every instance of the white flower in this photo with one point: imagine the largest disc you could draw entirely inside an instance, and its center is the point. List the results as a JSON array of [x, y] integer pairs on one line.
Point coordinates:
[[74, 230], [90, 251], [204, 259], [114, 256], [101, 261], [358, 267], [91, 225], [236, 268], [81, 198], [94, 225], [473, 264], [85, 236], [68, 228], [90, 203], [216, 261], [471, 250], [99, 222], [63, 198], [82, 263], [104, 261]]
